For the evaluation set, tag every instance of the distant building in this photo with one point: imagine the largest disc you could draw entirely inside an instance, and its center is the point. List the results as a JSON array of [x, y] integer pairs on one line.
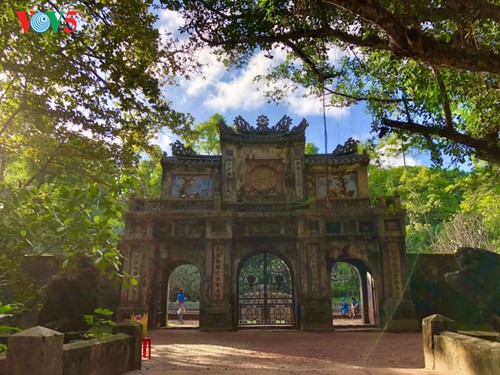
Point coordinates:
[[264, 224]]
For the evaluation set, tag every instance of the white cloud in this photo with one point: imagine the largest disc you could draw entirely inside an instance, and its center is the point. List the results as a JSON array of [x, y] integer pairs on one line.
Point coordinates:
[[212, 73], [219, 90], [387, 160], [170, 21], [240, 91], [308, 105], [165, 138]]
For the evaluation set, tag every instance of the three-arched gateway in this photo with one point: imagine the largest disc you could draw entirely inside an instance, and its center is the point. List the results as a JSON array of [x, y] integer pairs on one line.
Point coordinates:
[[264, 224]]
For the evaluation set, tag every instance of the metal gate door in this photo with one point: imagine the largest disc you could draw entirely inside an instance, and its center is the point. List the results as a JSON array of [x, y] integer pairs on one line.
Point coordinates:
[[265, 293]]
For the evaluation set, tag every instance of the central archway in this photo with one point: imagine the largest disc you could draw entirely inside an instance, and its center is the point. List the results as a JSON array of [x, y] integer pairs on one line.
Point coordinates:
[[265, 292]]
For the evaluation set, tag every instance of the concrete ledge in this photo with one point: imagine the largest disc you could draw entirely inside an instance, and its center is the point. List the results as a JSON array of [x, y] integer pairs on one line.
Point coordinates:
[[450, 352], [459, 354]]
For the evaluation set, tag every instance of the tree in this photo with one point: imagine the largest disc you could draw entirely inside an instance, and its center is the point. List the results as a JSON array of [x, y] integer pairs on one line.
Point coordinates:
[[185, 277], [77, 109], [430, 196], [429, 70], [205, 137], [463, 230], [102, 81], [311, 149], [344, 280]]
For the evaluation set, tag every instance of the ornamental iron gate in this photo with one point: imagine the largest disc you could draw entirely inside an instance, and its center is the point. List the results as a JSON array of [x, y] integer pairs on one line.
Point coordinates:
[[265, 292]]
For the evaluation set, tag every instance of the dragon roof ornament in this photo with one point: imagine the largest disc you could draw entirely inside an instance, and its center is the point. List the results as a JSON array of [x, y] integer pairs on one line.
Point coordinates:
[[262, 132], [179, 149], [349, 147]]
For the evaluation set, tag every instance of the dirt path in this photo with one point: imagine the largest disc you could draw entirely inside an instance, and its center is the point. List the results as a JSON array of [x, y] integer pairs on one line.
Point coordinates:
[[189, 351]]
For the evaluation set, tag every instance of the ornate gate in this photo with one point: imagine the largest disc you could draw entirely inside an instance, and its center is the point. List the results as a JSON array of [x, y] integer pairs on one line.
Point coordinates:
[[265, 292]]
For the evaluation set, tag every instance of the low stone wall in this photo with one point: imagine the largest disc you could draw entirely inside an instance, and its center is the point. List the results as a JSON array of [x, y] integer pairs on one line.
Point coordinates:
[[450, 352], [40, 350]]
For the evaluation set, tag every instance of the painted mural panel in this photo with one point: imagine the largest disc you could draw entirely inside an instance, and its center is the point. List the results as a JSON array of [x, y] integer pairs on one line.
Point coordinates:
[[188, 186], [345, 185]]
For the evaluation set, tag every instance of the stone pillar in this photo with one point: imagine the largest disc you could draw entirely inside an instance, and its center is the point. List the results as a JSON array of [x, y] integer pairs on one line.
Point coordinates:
[[316, 307], [434, 325], [133, 329], [216, 313], [37, 350]]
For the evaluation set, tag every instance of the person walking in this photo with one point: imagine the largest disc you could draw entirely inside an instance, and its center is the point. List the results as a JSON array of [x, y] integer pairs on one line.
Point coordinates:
[[180, 304]]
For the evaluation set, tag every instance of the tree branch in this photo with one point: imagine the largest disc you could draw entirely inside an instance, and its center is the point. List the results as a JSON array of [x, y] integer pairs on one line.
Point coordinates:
[[444, 94], [484, 150], [363, 98], [414, 43]]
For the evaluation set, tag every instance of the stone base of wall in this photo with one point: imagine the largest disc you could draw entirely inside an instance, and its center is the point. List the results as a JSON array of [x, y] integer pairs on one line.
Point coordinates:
[[399, 315], [316, 316], [216, 318]]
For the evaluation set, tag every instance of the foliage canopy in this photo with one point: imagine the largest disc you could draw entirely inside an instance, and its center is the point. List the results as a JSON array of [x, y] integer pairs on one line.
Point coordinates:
[[76, 111], [428, 70]]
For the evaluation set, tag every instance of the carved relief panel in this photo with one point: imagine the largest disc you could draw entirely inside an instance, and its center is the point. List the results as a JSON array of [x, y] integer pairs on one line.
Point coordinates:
[[135, 271], [264, 178], [218, 273], [229, 180], [313, 266], [299, 185], [395, 265]]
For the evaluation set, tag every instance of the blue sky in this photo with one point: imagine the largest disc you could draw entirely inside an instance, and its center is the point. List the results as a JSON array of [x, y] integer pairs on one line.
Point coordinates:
[[234, 92]]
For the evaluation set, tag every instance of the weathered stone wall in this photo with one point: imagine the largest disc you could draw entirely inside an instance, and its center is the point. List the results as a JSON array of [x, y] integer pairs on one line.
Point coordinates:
[[429, 291], [475, 301], [108, 355]]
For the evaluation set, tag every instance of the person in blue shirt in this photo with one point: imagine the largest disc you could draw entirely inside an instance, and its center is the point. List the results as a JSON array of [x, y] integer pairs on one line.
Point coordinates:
[[180, 303], [344, 308]]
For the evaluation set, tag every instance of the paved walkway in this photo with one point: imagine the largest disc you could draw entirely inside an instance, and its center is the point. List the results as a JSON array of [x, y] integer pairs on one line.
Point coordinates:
[[256, 352]]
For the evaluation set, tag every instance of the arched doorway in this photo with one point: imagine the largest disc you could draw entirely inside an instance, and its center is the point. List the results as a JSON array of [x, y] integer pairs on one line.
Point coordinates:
[[265, 292], [351, 278], [176, 277]]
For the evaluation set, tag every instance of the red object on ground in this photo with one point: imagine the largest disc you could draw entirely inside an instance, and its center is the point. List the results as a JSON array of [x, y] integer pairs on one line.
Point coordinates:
[[146, 345]]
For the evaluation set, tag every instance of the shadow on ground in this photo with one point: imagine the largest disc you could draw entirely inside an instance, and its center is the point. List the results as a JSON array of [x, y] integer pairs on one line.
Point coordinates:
[[286, 352]]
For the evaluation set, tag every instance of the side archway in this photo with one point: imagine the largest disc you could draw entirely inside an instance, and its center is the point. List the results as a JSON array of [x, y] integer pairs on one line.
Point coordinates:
[[265, 292], [360, 285], [173, 277]]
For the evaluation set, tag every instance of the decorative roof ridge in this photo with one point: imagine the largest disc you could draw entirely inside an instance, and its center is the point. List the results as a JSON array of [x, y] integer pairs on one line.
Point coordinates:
[[241, 129]]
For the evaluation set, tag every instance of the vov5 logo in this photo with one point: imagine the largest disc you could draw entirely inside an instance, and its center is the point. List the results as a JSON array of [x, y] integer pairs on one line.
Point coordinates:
[[41, 21]]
